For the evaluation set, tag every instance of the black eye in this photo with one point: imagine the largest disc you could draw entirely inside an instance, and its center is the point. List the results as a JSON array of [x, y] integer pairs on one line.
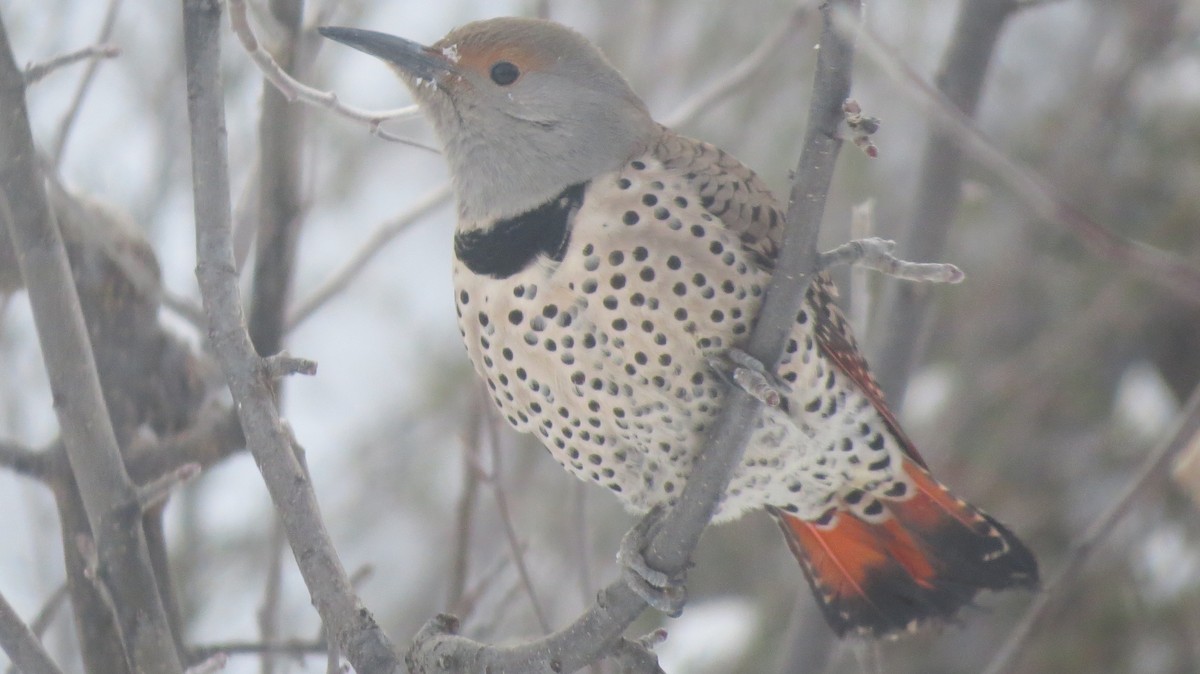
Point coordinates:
[[505, 73]]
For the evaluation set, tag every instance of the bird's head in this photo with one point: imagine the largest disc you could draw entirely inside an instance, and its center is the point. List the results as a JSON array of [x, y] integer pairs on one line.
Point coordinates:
[[524, 108]]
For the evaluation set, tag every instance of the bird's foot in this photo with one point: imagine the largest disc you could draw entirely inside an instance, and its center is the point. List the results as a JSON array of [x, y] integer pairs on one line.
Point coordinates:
[[662, 591], [749, 374]]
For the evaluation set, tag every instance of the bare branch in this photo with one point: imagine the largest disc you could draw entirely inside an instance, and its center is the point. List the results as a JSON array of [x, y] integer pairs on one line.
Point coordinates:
[[109, 495], [465, 511], [36, 71], [284, 364], [597, 632], [25, 461], [343, 277], [510, 532], [184, 308], [22, 647], [1184, 432], [349, 624], [215, 435], [154, 493], [954, 102], [905, 309], [294, 90], [875, 253], [85, 82], [743, 71], [295, 648], [279, 219]]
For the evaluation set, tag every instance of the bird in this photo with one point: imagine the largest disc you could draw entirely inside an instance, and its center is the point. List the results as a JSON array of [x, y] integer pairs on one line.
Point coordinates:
[[602, 262]]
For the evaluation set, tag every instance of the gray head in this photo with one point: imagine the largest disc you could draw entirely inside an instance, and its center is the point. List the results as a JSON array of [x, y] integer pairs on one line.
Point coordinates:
[[524, 108]]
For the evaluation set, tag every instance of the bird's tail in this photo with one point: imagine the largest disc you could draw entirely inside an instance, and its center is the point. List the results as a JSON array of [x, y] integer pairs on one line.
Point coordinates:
[[929, 557]]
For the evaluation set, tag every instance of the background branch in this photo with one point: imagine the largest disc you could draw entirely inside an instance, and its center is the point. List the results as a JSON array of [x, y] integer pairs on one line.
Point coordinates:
[[347, 622], [905, 307], [21, 645], [109, 495], [1154, 467]]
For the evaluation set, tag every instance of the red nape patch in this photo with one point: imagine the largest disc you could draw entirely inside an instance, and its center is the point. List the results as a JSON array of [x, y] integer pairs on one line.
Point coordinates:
[[920, 565]]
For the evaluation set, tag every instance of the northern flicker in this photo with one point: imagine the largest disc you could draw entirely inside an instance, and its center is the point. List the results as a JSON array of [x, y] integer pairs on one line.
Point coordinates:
[[601, 261]]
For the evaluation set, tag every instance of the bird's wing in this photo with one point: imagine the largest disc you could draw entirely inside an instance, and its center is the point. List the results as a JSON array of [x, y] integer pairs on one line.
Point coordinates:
[[731, 191]]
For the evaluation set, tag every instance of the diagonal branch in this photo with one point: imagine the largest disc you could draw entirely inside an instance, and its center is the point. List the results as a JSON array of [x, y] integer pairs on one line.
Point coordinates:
[[293, 90], [905, 307], [347, 622], [743, 71], [21, 644], [598, 632], [1184, 431], [36, 71], [955, 136], [375, 243], [109, 496], [25, 461], [85, 83]]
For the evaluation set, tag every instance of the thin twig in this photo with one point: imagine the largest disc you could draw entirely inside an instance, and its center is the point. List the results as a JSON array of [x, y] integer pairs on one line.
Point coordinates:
[[283, 364], [41, 622], [215, 435], [1184, 431], [36, 71], [348, 622], [862, 226], [742, 72], [465, 511], [157, 491], [85, 82], [375, 243], [184, 308], [272, 602], [295, 648], [1170, 271], [294, 90], [19, 642], [495, 479], [876, 254], [24, 460]]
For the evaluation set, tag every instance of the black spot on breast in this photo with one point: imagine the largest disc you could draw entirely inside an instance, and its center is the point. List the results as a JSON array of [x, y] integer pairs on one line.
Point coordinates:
[[512, 244]]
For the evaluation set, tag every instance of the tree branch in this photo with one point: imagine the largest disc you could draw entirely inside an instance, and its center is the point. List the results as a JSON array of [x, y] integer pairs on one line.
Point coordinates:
[[375, 243], [905, 309], [599, 630], [85, 82], [293, 90], [36, 71], [742, 72], [21, 645], [1185, 431], [25, 461], [347, 622], [954, 100], [109, 496]]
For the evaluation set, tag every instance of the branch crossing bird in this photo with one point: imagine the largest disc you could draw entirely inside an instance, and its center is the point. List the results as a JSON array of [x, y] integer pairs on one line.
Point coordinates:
[[601, 261]]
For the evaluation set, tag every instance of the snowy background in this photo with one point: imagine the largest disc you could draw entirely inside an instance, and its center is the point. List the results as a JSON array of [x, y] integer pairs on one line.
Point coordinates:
[[1049, 373]]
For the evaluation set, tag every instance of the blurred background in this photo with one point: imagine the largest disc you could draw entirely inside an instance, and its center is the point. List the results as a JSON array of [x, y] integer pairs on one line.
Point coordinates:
[[1041, 384]]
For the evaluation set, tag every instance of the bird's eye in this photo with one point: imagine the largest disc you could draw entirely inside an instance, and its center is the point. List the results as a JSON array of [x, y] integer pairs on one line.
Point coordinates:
[[505, 73]]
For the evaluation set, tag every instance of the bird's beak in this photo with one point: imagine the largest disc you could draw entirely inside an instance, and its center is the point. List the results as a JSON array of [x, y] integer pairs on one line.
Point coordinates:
[[414, 59]]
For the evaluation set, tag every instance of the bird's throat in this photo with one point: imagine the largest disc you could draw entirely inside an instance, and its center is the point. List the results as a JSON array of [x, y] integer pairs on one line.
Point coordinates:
[[509, 245]]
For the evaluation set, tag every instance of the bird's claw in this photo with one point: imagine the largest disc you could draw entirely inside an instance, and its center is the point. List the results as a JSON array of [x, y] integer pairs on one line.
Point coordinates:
[[749, 374], [663, 592]]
